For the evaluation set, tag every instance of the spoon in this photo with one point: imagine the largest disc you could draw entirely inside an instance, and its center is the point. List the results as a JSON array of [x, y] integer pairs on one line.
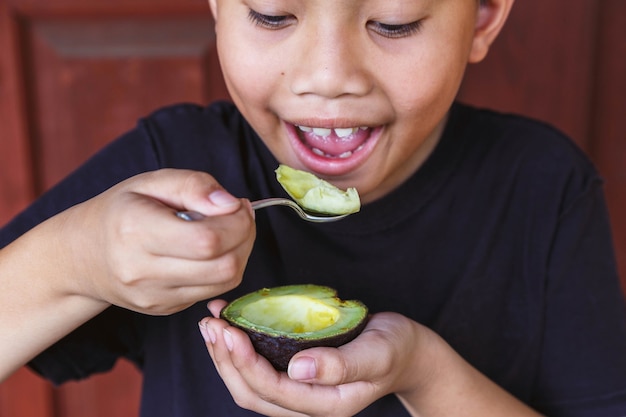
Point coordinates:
[[311, 217]]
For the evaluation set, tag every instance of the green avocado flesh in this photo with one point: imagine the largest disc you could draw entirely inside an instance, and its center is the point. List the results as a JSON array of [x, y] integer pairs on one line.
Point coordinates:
[[282, 321], [315, 194]]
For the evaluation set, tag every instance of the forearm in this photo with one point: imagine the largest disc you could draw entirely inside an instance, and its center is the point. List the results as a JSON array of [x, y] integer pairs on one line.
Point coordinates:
[[447, 385], [40, 297]]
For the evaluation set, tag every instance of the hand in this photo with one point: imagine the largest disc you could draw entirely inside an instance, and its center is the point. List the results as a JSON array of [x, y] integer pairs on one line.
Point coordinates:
[[392, 355], [321, 381], [131, 249]]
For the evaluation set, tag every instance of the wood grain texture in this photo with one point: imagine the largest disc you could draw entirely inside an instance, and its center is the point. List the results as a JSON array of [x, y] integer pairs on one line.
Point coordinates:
[[74, 74]]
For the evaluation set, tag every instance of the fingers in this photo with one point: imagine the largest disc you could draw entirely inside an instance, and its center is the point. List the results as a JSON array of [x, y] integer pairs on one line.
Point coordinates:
[[206, 238], [139, 255], [221, 341], [149, 208], [255, 385], [187, 190], [216, 306]]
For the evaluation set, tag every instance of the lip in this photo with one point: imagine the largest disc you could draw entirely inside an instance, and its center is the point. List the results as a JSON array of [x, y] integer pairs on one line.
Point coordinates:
[[331, 166]]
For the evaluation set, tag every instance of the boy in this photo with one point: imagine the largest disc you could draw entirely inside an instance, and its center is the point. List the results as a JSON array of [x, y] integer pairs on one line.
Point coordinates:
[[489, 231]]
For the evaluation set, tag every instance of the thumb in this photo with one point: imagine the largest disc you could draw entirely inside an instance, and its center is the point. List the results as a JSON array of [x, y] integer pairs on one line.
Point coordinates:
[[378, 353], [369, 357]]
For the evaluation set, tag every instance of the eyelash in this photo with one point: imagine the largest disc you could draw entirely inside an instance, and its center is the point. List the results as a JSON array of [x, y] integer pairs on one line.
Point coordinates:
[[267, 22], [396, 31], [383, 29]]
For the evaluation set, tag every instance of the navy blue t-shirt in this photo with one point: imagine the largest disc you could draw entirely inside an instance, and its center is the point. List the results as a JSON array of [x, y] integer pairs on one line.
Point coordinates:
[[500, 243]]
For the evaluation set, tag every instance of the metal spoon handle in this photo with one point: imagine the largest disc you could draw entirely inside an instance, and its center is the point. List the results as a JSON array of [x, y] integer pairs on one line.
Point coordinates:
[[267, 202]]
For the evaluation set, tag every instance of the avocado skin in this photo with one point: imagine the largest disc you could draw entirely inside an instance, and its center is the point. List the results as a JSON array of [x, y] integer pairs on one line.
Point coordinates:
[[279, 350]]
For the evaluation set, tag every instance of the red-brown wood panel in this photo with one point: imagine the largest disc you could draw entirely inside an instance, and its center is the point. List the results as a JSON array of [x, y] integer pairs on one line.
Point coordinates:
[[15, 164], [608, 146], [112, 394], [102, 74], [74, 74], [25, 395], [541, 66], [564, 63], [82, 74]]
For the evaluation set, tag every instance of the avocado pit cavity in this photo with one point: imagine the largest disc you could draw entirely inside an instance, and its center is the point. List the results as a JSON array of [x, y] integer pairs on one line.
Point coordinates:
[[282, 321], [291, 314]]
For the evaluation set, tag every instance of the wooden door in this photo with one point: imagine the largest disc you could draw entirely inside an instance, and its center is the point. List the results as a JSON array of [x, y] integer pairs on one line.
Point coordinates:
[[74, 74]]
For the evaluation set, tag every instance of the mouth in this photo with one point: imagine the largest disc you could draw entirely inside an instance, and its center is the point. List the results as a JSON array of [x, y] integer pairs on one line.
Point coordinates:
[[333, 150], [334, 143]]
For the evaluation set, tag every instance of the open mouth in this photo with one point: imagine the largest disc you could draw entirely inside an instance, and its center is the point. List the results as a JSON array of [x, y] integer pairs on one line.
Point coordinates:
[[334, 143]]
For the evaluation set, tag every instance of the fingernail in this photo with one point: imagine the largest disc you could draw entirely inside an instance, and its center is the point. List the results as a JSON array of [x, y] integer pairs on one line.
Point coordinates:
[[222, 198], [228, 340], [302, 369], [207, 333]]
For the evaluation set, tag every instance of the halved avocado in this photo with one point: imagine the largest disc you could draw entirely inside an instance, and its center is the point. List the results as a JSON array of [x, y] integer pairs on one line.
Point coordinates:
[[282, 321], [315, 194]]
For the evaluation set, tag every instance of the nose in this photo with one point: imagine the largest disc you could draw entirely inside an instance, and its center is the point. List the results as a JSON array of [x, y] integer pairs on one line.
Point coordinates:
[[329, 63]]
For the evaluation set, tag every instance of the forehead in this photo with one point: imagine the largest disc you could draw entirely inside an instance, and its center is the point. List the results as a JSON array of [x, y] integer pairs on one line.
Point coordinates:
[[333, 6]]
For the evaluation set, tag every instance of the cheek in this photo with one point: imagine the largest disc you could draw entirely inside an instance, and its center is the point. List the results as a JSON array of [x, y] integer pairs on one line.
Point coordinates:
[[248, 75], [240, 77], [423, 95]]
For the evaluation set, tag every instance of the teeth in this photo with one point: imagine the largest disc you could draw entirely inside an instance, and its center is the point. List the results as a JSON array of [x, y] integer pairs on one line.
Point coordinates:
[[344, 133], [320, 131], [339, 132], [325, 132], [344, 155]]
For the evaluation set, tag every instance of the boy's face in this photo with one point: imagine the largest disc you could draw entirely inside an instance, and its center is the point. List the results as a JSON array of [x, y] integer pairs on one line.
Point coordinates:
[[355, 91]]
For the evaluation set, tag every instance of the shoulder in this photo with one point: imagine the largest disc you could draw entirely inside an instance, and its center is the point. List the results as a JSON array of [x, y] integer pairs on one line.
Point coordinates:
[[524, 138], [215, 138], [528, 152], [191, 136], [191, 118], [215, 111]]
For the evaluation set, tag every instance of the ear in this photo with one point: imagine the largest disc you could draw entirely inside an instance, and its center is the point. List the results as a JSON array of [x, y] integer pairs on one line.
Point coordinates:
[[213, 6], [491, 17]]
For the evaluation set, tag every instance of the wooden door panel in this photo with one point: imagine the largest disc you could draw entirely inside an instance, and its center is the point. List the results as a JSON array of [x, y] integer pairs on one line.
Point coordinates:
[[26, 395], [541, 66], [75, 74], [84, 74], [565, 65], [16, 185], [96, 77], [113, 394], [104, 8], [608, 117]]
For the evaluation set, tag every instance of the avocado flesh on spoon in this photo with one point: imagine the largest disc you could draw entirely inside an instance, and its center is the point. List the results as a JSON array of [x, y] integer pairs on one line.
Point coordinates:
[[282, 321], [316, 195]]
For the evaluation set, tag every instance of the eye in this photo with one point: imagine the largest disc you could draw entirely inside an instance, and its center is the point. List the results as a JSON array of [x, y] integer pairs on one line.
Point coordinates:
[[395, 31], [269, 22]]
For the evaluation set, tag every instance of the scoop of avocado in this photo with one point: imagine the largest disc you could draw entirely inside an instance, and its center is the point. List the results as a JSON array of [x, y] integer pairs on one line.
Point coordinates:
[[315, 194], [282, 321]]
